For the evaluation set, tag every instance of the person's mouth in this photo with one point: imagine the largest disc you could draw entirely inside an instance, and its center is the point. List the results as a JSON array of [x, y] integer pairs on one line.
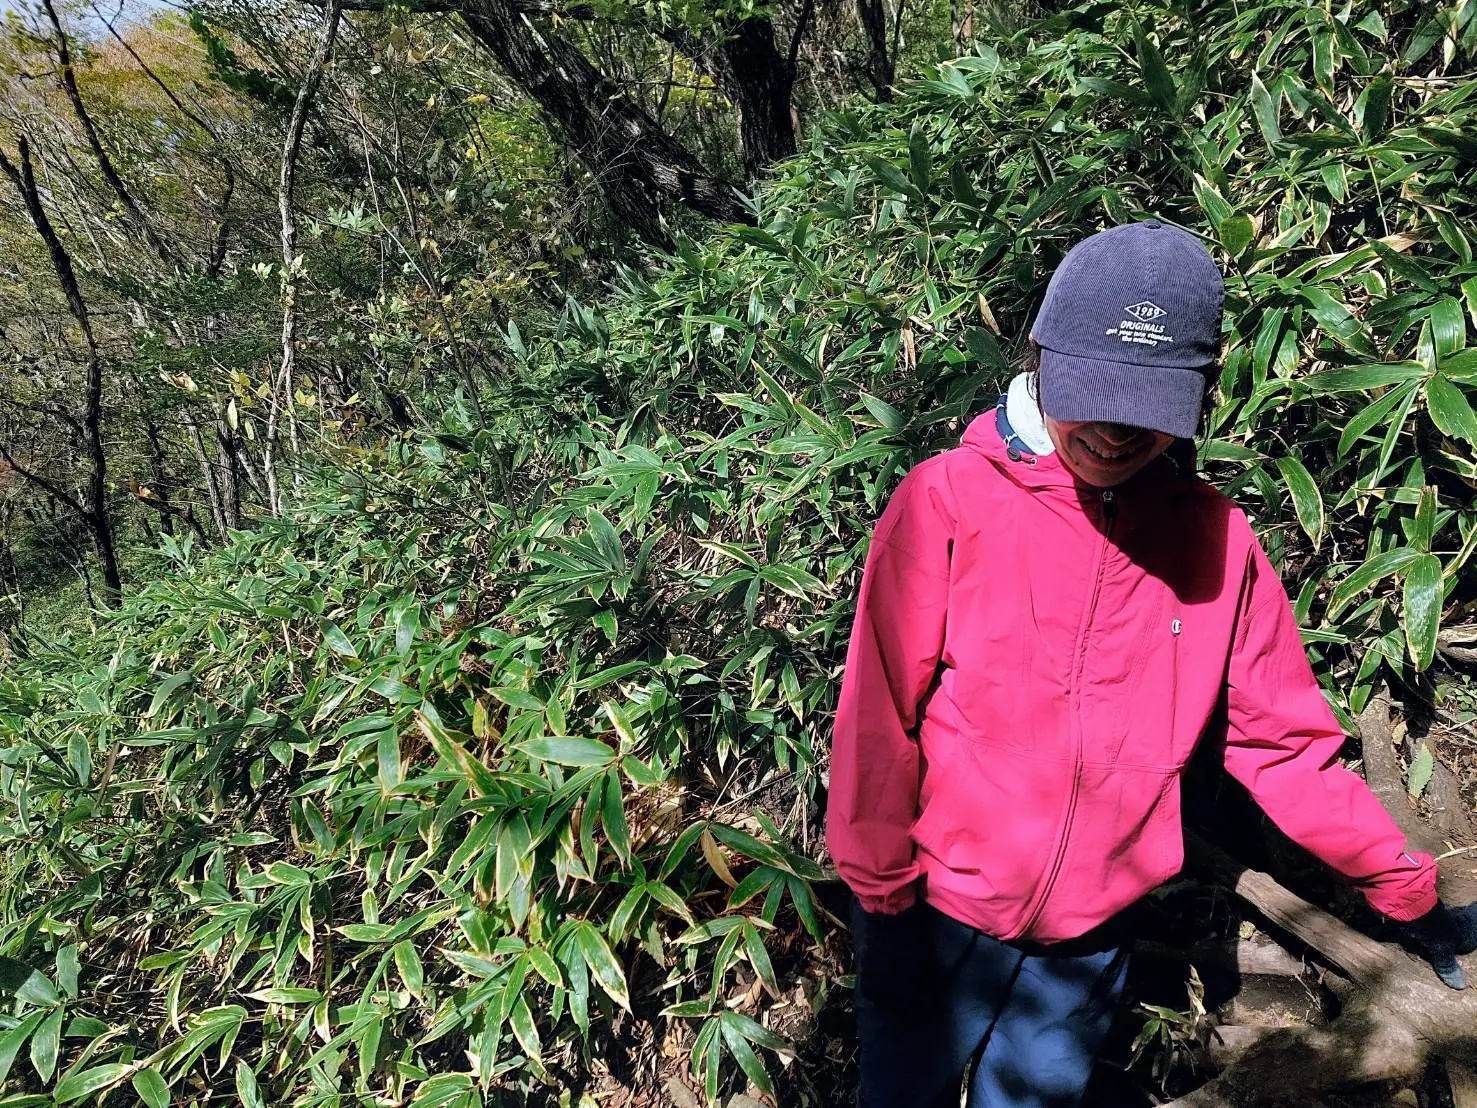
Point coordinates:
[[1111, 455]]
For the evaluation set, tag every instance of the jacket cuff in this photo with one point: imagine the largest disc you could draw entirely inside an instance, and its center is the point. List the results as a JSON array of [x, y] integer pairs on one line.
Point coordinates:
[[892, 904], [1411, 902]]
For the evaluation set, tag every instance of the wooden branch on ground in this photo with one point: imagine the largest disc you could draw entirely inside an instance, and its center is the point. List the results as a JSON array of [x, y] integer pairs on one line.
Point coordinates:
[[1356, 956], [1382, 771], [1399, 1017], [1458, 643], [1450, 815]]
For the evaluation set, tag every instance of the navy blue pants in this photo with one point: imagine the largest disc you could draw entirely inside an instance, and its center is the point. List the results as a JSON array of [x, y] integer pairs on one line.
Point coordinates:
[[937, 999]]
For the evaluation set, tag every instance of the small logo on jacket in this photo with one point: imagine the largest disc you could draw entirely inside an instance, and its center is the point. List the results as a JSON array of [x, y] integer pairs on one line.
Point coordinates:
[[1144, 311], [1175, 628]]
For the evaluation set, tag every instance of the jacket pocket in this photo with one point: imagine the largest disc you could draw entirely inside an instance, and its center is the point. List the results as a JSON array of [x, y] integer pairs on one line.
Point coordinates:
[[1126, 839], [990, 822]]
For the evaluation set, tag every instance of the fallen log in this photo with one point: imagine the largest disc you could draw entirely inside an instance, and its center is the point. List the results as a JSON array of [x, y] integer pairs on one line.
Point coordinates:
[[1383, 775], [1459, 644], [1337, 944], [1397, 1014], [1399, 1018]]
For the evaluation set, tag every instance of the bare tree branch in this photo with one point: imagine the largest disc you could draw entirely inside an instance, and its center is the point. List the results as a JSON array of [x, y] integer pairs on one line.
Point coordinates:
[[68, 79], [638, 165], [95, 515], [282, 390], [217, 255], [801, 26], [51, 488]]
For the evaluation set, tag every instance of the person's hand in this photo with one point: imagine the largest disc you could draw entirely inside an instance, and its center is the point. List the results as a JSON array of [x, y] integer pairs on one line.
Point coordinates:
[[891, 954], [1439, 937]]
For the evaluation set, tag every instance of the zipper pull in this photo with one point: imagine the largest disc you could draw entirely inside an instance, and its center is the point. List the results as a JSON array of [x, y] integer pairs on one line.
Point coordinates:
[[1110, 504]]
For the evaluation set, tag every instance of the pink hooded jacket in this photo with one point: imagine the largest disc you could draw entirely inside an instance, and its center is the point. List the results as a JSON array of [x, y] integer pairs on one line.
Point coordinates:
[[1033, 663]]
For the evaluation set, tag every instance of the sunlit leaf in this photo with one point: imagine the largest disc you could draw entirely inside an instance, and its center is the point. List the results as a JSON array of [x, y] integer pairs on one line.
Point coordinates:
[[335, 639], [1422, 609], [568, 750], [1450, 409], [1306, 499], [89, 1081]]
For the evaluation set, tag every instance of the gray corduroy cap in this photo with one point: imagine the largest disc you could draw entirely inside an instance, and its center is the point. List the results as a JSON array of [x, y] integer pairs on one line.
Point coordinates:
[[1130, 327]]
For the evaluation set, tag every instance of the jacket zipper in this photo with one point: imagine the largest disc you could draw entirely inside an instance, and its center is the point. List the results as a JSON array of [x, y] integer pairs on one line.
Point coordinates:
[[1110, 515]]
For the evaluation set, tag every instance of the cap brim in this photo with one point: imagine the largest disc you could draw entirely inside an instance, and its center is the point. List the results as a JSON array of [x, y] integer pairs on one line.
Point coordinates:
[[1086, 390]]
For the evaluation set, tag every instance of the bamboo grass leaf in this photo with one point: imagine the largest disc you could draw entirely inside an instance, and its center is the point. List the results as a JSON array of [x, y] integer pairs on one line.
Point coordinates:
[[86, 1082], [151, 1089], [1450, 409], [1422, 609], [1307, 501]]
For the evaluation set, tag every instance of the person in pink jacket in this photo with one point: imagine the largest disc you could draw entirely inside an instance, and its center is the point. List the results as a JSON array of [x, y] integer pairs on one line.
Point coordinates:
[[1053, 617]]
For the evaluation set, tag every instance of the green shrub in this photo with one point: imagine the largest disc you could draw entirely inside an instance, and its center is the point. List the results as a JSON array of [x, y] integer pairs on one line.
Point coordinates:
[[415, 794]]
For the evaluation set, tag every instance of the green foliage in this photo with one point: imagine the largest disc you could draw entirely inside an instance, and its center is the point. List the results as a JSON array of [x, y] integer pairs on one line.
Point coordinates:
[[379, 831], [436, 787], [226, 66]]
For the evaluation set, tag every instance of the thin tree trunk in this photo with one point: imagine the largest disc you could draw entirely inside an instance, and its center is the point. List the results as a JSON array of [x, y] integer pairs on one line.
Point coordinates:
[[194, 523], [94, 513], [222, 240], [873, 16], [207, 473], [76, 560], [167, 510], [282, 389], [7, 560], [897, 30], [94, 140], [229, 450]]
